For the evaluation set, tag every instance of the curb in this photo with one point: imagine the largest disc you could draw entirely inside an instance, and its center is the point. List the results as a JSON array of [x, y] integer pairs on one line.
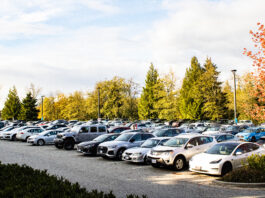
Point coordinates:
[[237, 184]]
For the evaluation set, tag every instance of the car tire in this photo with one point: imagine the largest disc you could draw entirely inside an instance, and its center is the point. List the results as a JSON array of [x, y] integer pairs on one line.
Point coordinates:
[[26, 139], [58, 146], [14, 138], [179, 163], [253, 139], [227, 167], [119, 154], [68, 145], [40, 142]]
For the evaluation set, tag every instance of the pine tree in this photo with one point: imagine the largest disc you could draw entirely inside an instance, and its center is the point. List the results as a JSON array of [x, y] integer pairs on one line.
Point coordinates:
[[215, 100], [12, 105], [146, 107], [191, 98], [29, 109]]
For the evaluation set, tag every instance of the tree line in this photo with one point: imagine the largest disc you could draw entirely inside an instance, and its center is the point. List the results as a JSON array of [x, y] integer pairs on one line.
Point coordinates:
[[201, 97]]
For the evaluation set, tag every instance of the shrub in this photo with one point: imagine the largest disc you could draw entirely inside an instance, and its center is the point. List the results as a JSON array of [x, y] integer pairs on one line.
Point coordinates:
[[24, 181], [256, 162]]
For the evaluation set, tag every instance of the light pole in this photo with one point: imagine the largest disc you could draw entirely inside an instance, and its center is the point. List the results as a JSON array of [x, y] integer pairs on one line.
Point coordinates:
[[98, 103], [42, 107], [234, 73]]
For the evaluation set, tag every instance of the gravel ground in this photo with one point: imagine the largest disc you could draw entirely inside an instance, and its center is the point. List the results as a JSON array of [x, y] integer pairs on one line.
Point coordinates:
[[120, 177]]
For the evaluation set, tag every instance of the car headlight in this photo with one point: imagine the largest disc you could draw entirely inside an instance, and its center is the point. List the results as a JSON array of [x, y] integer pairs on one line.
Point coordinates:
[[89, 145], [168, 153], [137, 154], [215, 161]]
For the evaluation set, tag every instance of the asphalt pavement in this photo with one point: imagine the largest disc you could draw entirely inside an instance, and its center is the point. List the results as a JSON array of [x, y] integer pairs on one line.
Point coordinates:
[[120, 177]]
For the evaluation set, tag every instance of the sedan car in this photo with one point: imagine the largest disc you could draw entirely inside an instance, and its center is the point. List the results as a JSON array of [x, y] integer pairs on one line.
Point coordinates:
[[45, 137], [90, 147], [25, 134], [138, 154], [171, 132], [224, 157], [222, 137], [177, 151]]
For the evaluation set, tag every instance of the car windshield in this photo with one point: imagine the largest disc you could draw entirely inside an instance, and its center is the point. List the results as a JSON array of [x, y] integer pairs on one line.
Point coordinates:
[[101, 138], [75, 129], [159, 133], [213, 129], [150, 143], [222, 149], [124, 137], [176, 142]]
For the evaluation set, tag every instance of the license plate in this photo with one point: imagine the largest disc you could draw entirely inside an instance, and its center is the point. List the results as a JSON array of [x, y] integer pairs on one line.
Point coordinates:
[[153, 161]]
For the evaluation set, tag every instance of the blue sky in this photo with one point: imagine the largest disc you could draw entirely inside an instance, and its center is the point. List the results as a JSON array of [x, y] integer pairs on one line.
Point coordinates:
[[72, 44]]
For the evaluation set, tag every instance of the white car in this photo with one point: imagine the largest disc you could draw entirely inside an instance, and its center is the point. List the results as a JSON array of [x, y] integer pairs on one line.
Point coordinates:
[[45, 137], [138, 154], [11, 135], [212, 130], [224, 157], [25, 134], [177, 151]]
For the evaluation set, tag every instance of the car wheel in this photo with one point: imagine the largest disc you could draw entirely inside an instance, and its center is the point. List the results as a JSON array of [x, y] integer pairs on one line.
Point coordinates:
[[179, 163], [14, 138], [227, 167], [119, 154], [253, 139], [26, 139], [69, 145], [59, 147], [40, 142]]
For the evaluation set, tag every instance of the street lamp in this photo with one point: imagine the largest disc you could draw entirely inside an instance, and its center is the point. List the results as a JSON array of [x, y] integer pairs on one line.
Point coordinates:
[[98, 103], [234, 73], [42, 107]]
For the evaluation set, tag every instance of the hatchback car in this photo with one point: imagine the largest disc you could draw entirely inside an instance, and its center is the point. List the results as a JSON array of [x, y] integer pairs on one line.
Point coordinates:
[[251, 134], [45, 137], [224, 157], [25, 134]]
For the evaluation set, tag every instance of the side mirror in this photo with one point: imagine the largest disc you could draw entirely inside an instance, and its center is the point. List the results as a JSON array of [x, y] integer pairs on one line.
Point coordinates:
[[132, 140], [189, 146], [238, 153]]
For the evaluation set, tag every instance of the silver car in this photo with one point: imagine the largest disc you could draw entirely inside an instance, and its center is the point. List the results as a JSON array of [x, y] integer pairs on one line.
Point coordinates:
[[138, 154], [177, 151], [115, 149], [46, 137]]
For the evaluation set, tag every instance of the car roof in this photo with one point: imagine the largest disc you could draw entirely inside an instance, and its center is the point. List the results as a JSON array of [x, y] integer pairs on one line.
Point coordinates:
[[160, 138], [191, 135]]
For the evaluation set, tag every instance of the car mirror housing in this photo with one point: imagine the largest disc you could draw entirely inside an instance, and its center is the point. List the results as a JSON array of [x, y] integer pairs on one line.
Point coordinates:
[[238, 153], [132, 140], [189, 146]]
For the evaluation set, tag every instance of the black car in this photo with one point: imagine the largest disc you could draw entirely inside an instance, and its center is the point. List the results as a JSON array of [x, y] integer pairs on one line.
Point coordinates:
[[90, 147]]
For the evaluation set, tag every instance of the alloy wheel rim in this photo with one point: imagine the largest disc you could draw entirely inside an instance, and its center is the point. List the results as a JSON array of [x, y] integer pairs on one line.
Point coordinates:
[[179, 164]]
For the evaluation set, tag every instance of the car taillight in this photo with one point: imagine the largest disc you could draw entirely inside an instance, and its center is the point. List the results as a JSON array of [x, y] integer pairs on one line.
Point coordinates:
[[21, 133]]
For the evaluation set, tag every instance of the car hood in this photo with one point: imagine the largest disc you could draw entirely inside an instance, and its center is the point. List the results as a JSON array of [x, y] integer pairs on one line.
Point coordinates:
[[88, 143], [34, 136], [165, 148], [138, 150], [113, 143], [207, 158]]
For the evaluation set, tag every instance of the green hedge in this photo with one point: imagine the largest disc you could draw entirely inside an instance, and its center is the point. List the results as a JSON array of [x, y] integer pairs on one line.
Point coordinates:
[[251, 172], [24, 181]]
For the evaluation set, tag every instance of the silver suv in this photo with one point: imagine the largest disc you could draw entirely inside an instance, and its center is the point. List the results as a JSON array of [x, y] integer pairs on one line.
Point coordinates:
[[115, 149], [177, 151]]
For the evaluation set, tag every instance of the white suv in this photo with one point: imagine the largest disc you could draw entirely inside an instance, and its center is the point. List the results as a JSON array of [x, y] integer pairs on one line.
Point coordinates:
[[25, 134], [177, 151]]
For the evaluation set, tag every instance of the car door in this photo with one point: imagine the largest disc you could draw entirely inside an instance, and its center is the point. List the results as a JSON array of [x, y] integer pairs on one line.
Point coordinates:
[[48, 137], [82, 134], [93, 133], [240, 155], [137, 140], [204, 143], [101, 130], [191, 147]]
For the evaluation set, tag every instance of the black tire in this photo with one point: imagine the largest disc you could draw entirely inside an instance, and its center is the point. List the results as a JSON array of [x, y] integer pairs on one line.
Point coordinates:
[[227, 167], [119, 154], [26, 139], [58, 146], [69, 145], [14, 138], [179, 163], [40, 142], [253, 139]]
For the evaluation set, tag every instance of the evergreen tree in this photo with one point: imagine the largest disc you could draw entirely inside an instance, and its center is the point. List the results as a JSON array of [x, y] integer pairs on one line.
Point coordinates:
[[191, 98], [215, 101], [29, 109], [146, 107], [12, 105]]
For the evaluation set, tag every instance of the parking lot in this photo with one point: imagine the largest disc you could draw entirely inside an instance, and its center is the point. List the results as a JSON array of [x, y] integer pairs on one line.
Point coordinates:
[[120, 177]]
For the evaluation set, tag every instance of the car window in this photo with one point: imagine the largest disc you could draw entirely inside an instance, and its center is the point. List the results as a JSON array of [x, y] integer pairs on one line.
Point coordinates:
[[84, 130], [93, 129], [137, 137], [162, 142], [252, 147], [101, 129], [112, 137], [146, 136], [221, 138], [243, 148], [204, 140], [194, 142], [229, 137]]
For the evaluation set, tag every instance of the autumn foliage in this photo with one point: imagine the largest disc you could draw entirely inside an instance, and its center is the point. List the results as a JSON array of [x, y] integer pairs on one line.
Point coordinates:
[[258, 76]]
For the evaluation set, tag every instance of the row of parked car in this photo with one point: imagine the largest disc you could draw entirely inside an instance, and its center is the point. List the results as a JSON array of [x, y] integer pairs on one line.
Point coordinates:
[[209, 151]]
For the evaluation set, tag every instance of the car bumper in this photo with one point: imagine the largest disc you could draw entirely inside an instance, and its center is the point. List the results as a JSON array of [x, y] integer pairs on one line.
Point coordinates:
[[167, 161], [87, 150], [6, 137], [211, 169], [107, 152], [133, 158], [31, 141], [58, 141]]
